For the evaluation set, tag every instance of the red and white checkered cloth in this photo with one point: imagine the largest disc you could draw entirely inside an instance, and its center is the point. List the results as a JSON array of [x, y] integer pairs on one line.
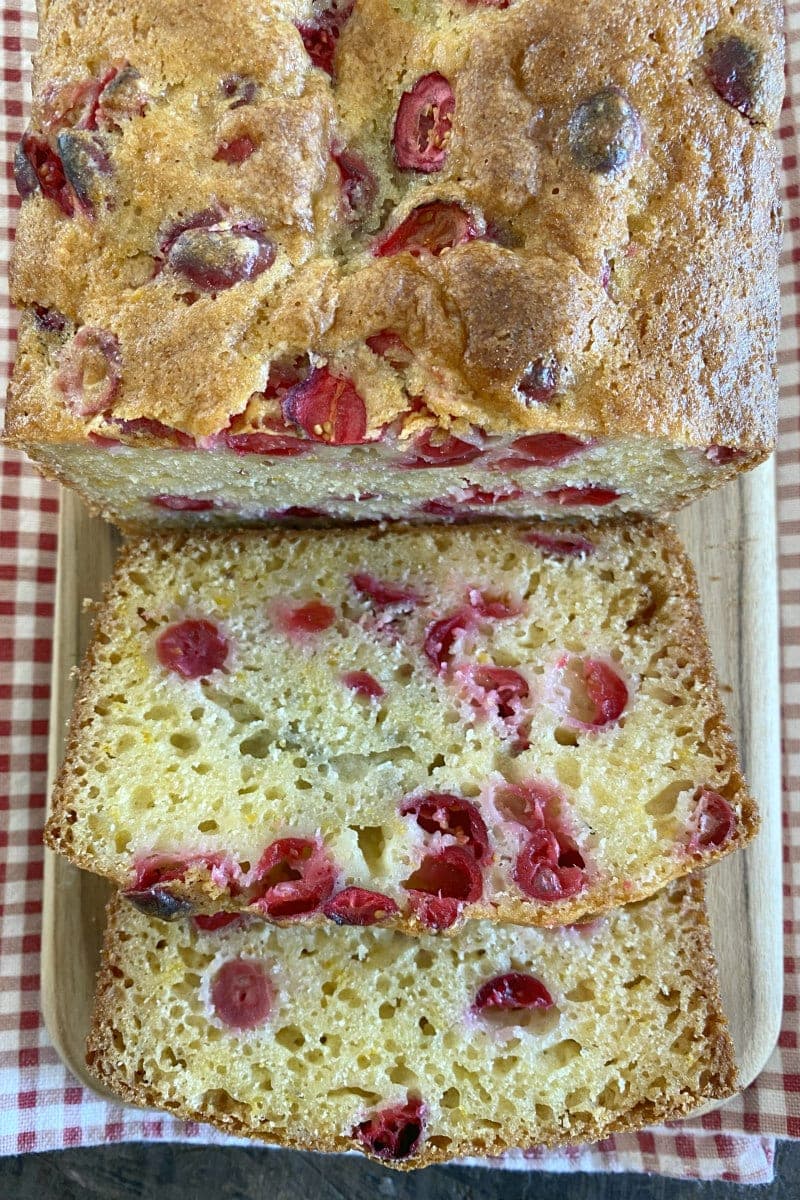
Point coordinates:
[[41, 1105]]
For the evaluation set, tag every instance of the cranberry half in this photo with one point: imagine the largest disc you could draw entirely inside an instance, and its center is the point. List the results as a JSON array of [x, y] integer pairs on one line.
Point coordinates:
[[392, 1134], [294, 879], [358, 906], [358, 182], [713, 822], [192, 649], [321, 36], [512, 992], [89, 371], [429, 228], [241, 994], [327, 408], [441, 813], [422, 125]]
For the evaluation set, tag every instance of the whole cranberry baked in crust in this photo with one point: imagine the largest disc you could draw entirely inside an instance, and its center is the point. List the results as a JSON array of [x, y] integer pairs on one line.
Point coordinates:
[[401, 728], [284, 262], [416, 1051]]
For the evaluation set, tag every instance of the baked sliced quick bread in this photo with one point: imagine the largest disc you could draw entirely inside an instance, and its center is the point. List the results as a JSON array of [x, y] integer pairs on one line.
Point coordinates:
[[312, 259], [513, 723], [416, 1050]]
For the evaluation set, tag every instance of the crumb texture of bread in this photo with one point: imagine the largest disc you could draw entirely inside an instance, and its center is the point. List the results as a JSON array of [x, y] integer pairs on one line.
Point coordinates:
[[416, 1050], [296, 242], [508, 723]]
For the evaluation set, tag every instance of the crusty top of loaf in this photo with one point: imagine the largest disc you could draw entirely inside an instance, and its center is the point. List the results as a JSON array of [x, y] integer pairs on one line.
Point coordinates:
[[647, 282]]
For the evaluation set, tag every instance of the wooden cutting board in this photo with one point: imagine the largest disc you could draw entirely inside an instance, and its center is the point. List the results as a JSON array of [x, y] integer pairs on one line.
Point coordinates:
[[731, 537]]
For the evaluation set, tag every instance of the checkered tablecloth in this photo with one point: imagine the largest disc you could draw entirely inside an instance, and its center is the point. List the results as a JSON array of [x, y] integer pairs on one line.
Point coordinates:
[[41, 1106]]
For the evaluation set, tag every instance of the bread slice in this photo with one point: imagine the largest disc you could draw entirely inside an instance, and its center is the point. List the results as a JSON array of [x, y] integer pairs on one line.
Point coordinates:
[[416, 1050], [369, 259], [507, 723]]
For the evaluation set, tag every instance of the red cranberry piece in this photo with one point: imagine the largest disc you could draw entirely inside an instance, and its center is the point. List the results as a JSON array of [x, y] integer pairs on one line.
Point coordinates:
[[192, 649], [492, 608], [321, 36], [548, 872], [596, 694], [438, 812], [487, 3], [389, 345], [607, 691], [442, 884], [241, 994], [422, 125], [512, 992], [87, 167], [215, 921], [604, 132], [46, 168], [451, 872], [363, 684], [236, 151], [384, 594], [89, 373], [562, 545], [216, 257], [526, 803], [547, 449], [357, 906], [393, 1133], [475, 496], [588, 493], [439, 508], [328, 408], [302, 619], [720, 456], [239, 89], [182, 503], [713, 822], [446, 452], [157, 869], [733, 69], [299, 511], [71, 105], [440, 637], [538, 382], [358, 182], [49, 320], [436, 913], [151, 893], [504, 689], [269, 445], [429, 229], [154, 429], [295, 877]]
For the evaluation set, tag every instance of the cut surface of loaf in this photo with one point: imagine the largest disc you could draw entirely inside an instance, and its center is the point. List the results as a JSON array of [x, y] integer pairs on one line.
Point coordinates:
[[504, 722], [279, 261], [416, 1050]]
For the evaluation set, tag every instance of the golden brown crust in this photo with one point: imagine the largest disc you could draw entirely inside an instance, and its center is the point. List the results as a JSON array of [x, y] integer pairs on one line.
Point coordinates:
[[719, 1074], [687, 632], [680, 344]]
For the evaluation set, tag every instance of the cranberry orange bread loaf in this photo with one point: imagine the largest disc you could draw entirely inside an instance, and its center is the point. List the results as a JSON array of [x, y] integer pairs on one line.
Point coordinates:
[[279, 260], [515, 723], [416, 1051]]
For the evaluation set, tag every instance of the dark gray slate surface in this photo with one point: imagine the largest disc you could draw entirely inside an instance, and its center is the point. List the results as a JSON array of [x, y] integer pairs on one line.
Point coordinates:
[[159, 1172]]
